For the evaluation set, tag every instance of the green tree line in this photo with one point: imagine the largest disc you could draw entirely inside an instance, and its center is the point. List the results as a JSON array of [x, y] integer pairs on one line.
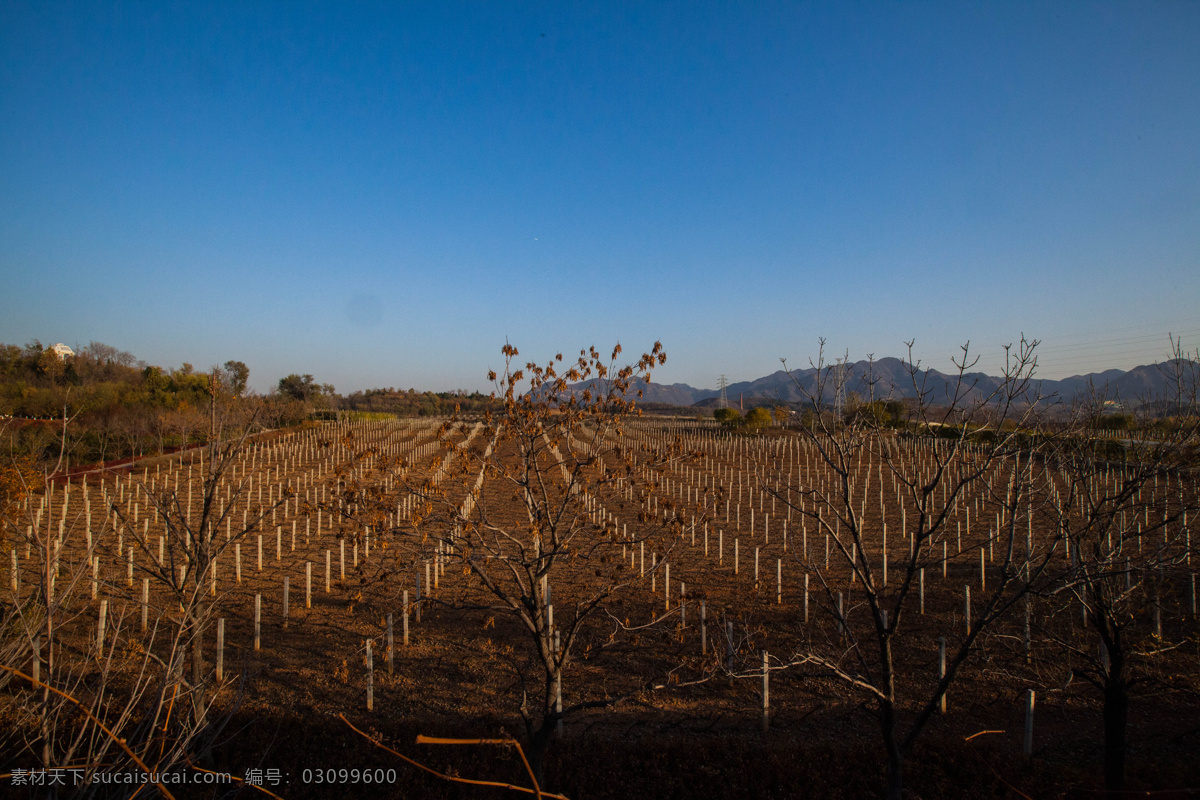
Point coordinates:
[[102, 404], [412, 403], [118, 406]]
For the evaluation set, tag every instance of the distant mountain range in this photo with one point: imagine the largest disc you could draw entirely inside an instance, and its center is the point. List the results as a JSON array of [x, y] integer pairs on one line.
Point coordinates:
[[892, 380]]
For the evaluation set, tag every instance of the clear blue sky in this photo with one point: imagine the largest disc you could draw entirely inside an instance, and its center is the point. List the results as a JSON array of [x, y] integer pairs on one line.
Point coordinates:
[[380, 194]]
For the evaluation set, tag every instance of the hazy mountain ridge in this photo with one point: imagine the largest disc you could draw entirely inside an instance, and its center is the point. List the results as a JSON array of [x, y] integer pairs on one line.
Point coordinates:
[[892, 380]]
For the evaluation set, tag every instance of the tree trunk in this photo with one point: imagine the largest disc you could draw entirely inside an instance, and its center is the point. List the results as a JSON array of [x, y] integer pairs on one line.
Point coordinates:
[[1116, 713], [895, 757], [201, 736], [539, 742], [197, 646]]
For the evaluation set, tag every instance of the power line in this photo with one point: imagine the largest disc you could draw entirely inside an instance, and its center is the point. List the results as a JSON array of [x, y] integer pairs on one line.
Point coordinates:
[[1083, 352]]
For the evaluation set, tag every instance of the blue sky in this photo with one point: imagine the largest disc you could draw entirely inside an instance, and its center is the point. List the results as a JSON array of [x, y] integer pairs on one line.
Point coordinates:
[[381, 194]]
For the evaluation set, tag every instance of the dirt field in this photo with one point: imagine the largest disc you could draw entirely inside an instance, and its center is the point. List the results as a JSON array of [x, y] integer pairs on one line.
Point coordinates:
[[682, 723]]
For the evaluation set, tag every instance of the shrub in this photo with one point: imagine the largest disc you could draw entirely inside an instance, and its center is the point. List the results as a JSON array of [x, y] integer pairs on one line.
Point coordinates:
[[758, 418], [729, 417]]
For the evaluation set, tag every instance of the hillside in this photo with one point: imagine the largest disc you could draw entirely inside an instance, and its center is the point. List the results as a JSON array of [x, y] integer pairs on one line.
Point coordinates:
[[890, 378]]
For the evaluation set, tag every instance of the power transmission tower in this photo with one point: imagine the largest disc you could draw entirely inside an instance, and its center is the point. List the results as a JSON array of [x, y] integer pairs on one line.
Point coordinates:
[[839, 384], [723, 400]]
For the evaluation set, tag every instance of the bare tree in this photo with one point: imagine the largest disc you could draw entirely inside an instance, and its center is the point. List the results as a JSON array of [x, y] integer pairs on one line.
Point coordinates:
[[193, 541], [555, 452], [1119, 488], [959, 444], [83, 690]]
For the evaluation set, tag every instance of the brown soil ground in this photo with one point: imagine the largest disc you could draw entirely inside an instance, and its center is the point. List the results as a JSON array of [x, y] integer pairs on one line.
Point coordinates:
[[682, 728]]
